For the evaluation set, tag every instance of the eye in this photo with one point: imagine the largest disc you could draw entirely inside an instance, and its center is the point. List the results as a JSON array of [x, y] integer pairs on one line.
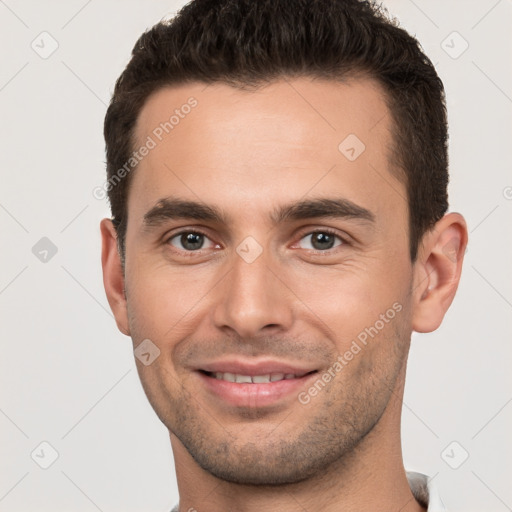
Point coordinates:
[[322, 240], [189, 241]]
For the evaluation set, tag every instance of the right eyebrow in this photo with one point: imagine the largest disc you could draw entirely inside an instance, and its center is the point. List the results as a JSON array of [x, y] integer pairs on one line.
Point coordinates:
[[172, 208]]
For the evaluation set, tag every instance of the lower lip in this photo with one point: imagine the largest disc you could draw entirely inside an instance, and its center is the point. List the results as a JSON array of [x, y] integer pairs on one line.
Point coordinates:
[[254, 395]]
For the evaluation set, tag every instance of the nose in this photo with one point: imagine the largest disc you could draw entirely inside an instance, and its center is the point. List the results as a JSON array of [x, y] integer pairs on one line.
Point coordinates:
[[254, 297]]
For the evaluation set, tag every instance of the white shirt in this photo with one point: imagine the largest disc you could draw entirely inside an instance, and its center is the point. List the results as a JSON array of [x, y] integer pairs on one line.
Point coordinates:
[[424, 491]]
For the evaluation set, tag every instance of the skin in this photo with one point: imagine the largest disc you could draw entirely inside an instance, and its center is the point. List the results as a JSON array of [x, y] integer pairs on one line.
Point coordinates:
[[247, 153]]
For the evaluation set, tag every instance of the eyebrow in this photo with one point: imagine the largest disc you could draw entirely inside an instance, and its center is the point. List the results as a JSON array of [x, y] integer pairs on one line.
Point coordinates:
[[169, 208]]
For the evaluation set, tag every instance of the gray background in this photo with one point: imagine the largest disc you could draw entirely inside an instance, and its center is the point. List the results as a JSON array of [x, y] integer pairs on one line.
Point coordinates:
[[68, 377]]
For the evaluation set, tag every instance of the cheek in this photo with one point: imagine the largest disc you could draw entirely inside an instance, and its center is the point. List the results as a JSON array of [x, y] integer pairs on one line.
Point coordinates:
[[368, 325], [163, 301], [167, 301], [348, 297], [373, 357]]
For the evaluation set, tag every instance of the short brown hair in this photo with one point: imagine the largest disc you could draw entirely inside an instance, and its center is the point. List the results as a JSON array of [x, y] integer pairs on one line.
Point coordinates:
[[253, 42]]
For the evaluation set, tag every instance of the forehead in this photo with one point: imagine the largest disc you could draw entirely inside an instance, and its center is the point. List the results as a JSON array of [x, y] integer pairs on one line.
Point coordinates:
[[291, 138]]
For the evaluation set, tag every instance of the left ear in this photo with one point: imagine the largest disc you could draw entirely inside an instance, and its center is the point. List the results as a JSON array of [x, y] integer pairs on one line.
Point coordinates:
[[437, 271]]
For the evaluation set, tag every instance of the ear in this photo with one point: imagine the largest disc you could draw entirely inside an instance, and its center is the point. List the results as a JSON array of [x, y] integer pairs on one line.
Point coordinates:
[[113, 276], [437, 271]]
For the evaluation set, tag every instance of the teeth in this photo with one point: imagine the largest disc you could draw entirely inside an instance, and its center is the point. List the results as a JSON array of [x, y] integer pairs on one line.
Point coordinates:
[[261, 379], [243, 378], [256, 379]]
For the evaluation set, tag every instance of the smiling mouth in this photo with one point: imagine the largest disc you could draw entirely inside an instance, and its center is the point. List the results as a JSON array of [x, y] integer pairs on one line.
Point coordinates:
[[266, 378]]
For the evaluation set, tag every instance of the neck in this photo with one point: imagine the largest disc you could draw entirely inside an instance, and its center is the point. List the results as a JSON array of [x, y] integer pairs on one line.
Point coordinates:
[[371, 477]]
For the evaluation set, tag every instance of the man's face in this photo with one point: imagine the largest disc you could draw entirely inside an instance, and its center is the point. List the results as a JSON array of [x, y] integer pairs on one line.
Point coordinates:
[[256, 295]]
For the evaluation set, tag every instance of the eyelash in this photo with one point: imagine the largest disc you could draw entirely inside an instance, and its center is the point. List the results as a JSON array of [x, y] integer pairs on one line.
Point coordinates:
[[327, 231]]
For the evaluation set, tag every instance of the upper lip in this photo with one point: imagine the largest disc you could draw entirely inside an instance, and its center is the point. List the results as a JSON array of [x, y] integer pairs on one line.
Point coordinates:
[[252, 368]]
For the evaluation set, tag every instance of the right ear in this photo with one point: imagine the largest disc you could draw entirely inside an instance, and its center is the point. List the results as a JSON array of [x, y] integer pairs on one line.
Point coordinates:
[[113, 276]]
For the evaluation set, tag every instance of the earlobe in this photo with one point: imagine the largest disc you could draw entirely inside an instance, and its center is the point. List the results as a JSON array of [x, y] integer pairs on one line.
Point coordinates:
[[437, 271], [113, 278]]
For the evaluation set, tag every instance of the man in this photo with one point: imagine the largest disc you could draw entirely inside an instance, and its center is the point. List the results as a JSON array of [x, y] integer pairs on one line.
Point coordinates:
[[277, 173]]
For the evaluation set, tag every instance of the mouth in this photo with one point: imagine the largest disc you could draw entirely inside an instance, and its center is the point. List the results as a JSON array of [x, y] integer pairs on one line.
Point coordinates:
[[243, 386]]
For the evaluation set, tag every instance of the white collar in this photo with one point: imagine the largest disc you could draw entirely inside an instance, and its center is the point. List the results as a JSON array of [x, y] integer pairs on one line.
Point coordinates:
[[425, 492]]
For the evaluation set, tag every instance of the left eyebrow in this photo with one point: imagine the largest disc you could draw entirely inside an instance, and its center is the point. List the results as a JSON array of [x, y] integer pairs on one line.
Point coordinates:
[[322, 207], [169, 208]]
